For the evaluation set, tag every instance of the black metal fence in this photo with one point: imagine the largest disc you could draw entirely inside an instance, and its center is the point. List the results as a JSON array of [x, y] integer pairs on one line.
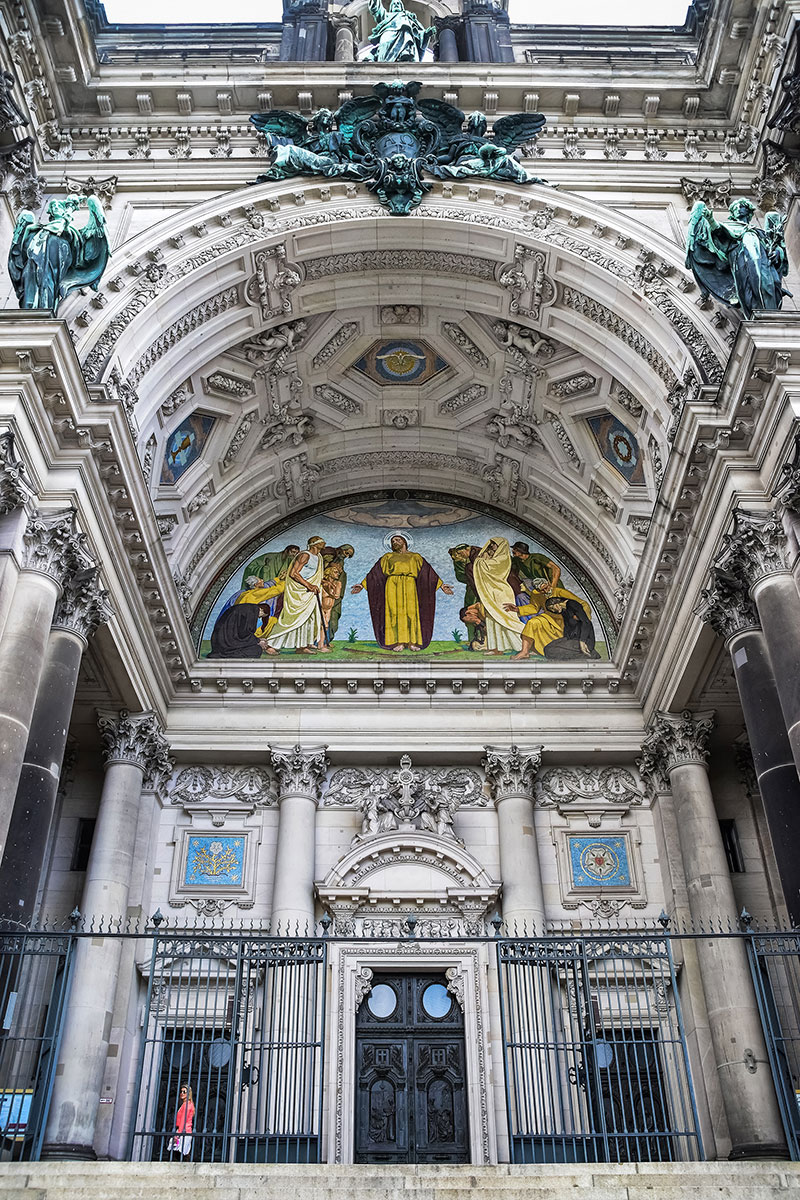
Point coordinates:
[[596, 1063], [34, 984], [594, 1051], [232, 1055]]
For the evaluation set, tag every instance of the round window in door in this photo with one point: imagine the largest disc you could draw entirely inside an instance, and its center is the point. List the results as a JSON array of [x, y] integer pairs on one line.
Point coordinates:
[[437, 1001]]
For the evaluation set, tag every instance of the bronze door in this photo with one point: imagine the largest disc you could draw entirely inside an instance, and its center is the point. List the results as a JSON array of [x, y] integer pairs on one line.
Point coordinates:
[[411, 1087]]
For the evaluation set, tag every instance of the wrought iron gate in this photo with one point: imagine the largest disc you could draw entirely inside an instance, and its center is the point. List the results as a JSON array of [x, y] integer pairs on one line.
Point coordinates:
[[775, 965], [34, 984], [240, 1021], [596, 1063]]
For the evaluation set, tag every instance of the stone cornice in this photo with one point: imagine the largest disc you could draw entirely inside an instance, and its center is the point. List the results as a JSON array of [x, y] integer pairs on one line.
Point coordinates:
[[136, 738]]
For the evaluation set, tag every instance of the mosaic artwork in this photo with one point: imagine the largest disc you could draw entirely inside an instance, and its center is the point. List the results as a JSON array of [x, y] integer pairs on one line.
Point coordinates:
[[214, 861], [618, 446], [408, 362], [599, 862], [185, 446], [413, 577]]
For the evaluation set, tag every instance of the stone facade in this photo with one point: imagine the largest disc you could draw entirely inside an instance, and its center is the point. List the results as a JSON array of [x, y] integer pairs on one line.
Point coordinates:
[[228, 382]]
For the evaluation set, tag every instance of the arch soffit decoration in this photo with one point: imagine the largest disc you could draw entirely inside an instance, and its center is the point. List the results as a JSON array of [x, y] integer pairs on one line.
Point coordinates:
[[623, 303]]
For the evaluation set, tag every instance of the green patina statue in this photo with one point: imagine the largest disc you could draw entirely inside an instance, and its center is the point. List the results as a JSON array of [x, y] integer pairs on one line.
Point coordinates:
[[395, 144], [398, 35], [65, 250], [734, 261]]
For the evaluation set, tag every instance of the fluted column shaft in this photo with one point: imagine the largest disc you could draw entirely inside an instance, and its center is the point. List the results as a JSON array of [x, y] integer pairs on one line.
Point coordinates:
[[676, 747], [81, 608], [135, 752], [300, 771], [512, 773]]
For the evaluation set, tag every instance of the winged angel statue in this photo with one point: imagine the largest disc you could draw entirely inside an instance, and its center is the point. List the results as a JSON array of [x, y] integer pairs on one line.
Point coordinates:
[[58, 253], [394, 144], [737, 263]]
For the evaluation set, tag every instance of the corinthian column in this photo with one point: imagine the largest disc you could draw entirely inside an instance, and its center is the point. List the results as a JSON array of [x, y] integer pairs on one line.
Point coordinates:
[[729, 609], [512, 772], [135, 753], [51, 547], [80, 610], [675, 749], [754, 555], [300, 771]]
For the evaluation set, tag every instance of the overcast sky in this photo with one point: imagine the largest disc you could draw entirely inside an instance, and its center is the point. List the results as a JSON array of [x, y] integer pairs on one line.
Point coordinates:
[[573, 12]]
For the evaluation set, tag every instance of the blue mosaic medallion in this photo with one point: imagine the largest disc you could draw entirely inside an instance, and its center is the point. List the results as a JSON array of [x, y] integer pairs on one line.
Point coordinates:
[[599, 862], [214, 861], [618, 446], [400, 361]]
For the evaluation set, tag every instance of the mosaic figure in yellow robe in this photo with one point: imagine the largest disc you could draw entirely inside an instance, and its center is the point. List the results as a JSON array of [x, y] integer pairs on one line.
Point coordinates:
[[298, 625], [543, 626], [401, 589], [261, 595], [490, 570]]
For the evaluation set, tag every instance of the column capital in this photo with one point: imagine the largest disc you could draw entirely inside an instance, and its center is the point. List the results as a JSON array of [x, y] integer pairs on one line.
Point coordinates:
[[755, 549], [52, 545], [788, 488], [674, 740], [83, 605], [15, 491], [511, 769], [727, 606], [135, 738], [300, 769]]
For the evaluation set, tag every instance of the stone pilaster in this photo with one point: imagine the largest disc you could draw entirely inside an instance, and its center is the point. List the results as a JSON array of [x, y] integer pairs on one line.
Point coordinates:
[[15, 497], [512, 772], [300, 771], [346, 31], [754, 554], [82, 607], [729, 609], [52, 548], [135, 751], [676, 749]]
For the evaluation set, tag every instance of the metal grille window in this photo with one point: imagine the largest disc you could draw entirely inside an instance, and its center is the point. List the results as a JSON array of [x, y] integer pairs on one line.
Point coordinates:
[[595, 1054], [239, 1022], [775, 965]]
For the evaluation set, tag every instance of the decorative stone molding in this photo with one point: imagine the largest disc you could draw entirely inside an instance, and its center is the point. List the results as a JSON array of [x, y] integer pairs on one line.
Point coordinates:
[[135, 738], [299, 769], [674, 740], [344, 334], [235, 786], [337, 399], [268, 351], [407, 798], [455, 984], [15, 491], [755, 549], [463, 399], [363, 985], [726, 605], [512, 770], [788, 488], [52, 544], [83, 605], [588, 790]]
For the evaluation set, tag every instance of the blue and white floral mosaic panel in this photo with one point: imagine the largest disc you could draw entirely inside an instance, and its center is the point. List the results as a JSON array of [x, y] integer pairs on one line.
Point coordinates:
[[599, 862], [214, 861]]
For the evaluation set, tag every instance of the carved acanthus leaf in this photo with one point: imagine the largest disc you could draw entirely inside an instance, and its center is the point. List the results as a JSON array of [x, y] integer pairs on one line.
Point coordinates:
[[755, 548], [674, 740], [300, 769], [14, 488], [726, 605], [52, 544], [136, 738], [241, 785], [83, 605], [512, 770]]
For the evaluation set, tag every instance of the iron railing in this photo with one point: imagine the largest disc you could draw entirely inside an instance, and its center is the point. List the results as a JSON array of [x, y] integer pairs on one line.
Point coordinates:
[[596, 1063], [34, 985], [595, 1056], [239, 1021]]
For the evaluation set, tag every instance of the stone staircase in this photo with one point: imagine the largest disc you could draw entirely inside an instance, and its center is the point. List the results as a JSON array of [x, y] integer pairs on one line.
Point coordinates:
[[179, 1181]]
